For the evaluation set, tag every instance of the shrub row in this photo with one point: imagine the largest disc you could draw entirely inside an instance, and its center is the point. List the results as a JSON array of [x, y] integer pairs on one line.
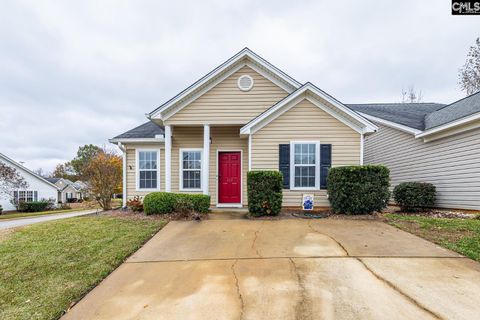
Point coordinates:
[[414, 196], [264, 192], [167, 202], [358, 189], [35, 206]]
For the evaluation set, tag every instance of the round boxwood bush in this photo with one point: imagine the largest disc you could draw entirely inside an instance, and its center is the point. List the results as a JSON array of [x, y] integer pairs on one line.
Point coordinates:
[[414, 196], [264, 192], [358, 189]]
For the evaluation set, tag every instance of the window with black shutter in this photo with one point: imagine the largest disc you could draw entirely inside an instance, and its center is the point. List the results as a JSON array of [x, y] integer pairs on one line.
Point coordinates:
[[284, 163], [325, 163]]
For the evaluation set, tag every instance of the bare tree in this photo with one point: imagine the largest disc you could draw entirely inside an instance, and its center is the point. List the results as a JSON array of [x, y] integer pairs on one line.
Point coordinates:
[[411, 95], [10, 180], [469, 74]]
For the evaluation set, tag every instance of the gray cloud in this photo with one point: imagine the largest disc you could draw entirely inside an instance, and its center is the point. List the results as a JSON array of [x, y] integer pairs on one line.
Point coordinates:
[[81, 72]]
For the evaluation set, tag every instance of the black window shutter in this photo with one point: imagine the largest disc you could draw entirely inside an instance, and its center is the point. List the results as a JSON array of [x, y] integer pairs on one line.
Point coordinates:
[[325, 163], [284, 163]]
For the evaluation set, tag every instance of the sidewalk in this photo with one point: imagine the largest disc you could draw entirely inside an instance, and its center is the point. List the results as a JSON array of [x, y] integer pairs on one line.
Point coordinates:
[[13, 223]]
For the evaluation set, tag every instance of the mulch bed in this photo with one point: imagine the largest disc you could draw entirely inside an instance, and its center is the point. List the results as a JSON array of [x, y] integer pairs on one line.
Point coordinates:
[[128, 214]]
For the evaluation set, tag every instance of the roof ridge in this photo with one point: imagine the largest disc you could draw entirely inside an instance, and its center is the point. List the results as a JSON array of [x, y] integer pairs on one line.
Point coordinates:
[[447, 105]]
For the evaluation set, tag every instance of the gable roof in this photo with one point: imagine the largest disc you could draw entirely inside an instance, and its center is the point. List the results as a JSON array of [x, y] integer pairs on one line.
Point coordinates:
[[18, 165], [408, 114], [313, 94], [239, 60], [455, 111], [148, 130]]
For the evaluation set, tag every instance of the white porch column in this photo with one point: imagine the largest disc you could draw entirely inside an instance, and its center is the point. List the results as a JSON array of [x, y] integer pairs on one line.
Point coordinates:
[[168, 158], [206, 158], [250, 152], [124, 174]]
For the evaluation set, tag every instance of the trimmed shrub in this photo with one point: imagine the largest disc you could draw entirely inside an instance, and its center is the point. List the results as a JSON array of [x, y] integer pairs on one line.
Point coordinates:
[[33, 206], [167, 202], [135, 204], [264, 192], [414, 196], [358, 189], [159, 203]]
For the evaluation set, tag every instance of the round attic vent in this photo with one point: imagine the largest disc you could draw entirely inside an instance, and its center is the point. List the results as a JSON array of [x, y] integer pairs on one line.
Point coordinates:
[[245, 82]]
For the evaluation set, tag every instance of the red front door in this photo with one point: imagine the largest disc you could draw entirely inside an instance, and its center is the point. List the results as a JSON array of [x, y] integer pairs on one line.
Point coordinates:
[[229, 177]]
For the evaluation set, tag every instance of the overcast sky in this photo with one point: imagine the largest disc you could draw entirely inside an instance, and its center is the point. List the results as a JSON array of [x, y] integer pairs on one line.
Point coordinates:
[[79, 72]]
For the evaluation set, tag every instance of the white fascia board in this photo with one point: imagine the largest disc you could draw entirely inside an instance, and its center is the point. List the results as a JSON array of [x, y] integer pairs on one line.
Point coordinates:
[[391, 124], [299, 95], [449, 125], [245, 53], [18, 165], [135, 140]]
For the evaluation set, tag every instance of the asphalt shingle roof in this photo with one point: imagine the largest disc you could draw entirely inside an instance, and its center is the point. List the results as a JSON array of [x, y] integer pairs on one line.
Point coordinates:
[[147, 130], [408, 114], [457, 110]]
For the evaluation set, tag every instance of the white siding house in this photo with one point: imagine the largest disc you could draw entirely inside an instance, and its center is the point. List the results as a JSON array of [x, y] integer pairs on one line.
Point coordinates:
[[38, 188]]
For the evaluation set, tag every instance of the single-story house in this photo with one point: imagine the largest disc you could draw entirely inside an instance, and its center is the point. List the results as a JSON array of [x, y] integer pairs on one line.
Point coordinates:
[[38, 187], [69, 191], [244, 115], [429, 142]]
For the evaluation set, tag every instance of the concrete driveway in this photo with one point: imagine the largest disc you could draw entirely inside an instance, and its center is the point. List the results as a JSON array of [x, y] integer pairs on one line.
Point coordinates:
[[25, 221], [287, 269]]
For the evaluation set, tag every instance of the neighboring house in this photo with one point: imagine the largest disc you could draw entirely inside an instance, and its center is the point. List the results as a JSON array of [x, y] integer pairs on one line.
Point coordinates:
[[244, 115], [67, 190], [430, 142], [38, 187]]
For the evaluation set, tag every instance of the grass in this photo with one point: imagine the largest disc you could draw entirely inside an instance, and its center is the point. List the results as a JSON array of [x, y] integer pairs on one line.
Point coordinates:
[[46, 267], [460, 235], [34, 214]]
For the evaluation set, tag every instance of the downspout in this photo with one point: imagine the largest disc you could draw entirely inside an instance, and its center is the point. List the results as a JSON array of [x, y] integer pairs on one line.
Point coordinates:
[[124, 174]]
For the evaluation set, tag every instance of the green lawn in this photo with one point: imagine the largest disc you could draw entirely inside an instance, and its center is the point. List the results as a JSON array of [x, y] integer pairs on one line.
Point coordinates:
[[460, 235], [45, 267], [34, 214]]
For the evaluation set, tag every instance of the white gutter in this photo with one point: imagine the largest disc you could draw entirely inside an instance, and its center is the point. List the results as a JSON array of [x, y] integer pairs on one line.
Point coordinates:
[[158, 138], [391, 124], [124, 174]]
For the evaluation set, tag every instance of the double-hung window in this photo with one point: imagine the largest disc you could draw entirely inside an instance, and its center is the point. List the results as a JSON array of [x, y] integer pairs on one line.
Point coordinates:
[[305, 161], [25, 196], [191, 169], [148, 172]]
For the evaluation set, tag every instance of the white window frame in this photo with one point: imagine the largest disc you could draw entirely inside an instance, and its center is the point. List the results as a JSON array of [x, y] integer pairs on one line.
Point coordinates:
[[292, 165], [180, 166], [137, 169]]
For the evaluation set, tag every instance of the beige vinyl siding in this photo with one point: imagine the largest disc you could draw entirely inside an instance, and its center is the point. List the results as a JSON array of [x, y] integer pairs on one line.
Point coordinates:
[[305, 121], [132, 164], [227, 104], [452, 163]]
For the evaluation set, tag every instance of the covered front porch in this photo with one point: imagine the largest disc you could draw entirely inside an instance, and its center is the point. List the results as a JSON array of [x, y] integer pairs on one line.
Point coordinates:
[[213, 160]]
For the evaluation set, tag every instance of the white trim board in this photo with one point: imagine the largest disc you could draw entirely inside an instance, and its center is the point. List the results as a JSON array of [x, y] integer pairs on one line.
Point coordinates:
[[314, 95], [449, 125], [244, 57], [391, 124], [229, 205]]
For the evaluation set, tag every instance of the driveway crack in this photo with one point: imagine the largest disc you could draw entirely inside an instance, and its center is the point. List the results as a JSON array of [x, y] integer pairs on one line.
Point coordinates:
[[240, 297], [255, 239], [300, 308], [397, 289], [335, 240]]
